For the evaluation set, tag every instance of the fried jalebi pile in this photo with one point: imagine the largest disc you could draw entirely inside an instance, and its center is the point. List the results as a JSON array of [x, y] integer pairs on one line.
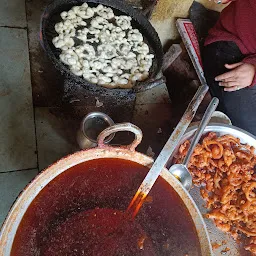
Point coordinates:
[[224, 169]]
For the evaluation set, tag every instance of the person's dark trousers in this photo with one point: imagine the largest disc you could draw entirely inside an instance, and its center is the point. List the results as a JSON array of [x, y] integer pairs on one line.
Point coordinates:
[[240, 105]]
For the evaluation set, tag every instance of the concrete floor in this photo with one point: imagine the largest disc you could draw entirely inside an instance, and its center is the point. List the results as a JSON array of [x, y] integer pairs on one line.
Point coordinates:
[[38, 124]]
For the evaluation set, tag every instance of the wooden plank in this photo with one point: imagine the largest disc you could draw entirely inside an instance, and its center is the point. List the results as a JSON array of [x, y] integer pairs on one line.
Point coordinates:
[[171, 55]]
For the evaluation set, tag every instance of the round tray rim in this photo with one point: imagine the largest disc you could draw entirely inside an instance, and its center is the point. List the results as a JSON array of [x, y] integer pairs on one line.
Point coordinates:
[[222, 128]]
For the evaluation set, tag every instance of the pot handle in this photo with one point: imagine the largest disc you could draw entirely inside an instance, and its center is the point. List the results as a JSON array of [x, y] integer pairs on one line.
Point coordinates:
[[120, 128]]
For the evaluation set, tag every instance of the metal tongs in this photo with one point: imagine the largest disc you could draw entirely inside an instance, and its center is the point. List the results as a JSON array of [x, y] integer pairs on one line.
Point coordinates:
[[167, 151]]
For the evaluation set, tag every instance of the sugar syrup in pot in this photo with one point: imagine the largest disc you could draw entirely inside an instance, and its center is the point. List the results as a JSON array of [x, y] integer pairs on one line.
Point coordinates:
[[77, 207]]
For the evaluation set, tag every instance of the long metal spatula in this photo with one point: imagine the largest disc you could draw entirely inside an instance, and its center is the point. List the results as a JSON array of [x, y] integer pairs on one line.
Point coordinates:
[[166, 152]]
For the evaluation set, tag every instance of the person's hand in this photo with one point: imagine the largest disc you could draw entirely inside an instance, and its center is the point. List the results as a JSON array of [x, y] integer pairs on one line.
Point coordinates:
[[221, 1], [240, 76]]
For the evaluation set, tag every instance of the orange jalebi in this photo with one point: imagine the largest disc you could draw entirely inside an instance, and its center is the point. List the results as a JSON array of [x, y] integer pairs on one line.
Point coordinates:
[[224, 168]]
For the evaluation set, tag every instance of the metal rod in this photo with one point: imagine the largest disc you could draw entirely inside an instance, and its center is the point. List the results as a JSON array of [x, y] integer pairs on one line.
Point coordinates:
[[206, 118], [166, 152]]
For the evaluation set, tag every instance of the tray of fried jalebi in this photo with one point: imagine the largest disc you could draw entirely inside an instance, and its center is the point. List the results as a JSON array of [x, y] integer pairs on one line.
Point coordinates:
[[223, 168]]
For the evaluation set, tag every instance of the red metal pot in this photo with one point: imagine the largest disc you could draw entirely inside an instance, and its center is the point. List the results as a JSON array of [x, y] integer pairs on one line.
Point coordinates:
[[103, 151]]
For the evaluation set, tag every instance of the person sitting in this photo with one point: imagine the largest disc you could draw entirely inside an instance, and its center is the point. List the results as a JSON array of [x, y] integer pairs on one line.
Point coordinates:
[[229, 61]]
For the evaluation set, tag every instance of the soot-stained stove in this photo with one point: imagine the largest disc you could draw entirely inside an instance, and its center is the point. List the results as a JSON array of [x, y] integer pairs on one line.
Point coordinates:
[[75, 92], [53, 90]]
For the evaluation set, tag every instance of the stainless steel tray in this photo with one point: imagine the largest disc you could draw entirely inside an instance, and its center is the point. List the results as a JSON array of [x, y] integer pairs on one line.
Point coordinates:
[[216, 235]]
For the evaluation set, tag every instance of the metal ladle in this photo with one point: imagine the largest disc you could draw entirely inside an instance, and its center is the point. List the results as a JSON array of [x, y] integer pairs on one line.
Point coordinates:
[[180, 171]]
